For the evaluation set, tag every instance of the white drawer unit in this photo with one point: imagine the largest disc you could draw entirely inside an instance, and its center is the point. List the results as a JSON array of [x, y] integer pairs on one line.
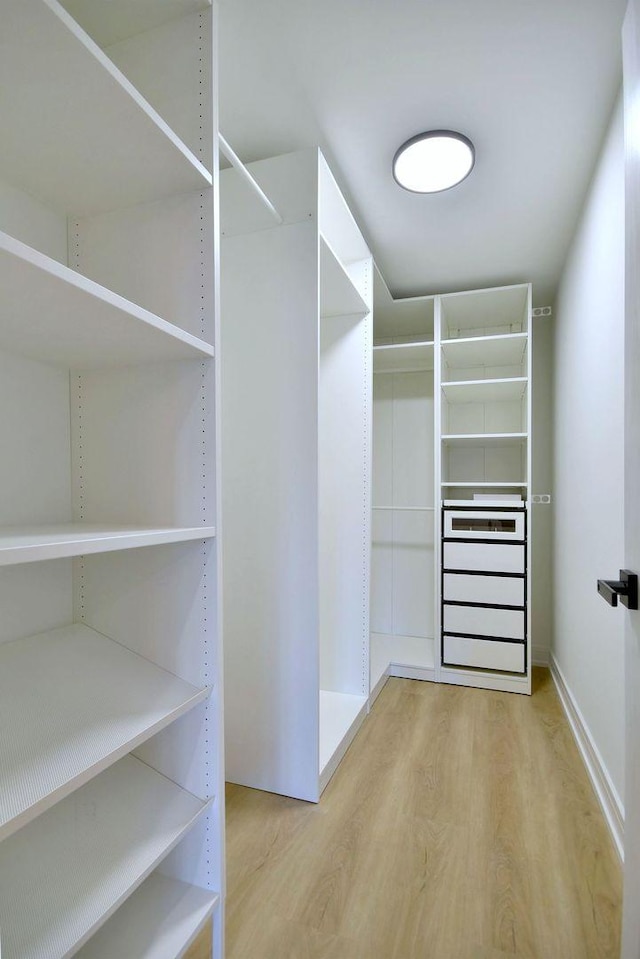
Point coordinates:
[[484, 592], [481, 588], [484, 621], [484, 654]]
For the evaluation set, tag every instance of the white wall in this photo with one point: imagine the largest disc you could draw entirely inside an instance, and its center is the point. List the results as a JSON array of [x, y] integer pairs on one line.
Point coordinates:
[[589, 464], [542, 470]]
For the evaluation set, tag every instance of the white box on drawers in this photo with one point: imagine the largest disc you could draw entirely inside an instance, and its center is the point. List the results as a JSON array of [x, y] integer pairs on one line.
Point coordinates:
[[497, 590], [485, 557], [483, 654], [483, 621]]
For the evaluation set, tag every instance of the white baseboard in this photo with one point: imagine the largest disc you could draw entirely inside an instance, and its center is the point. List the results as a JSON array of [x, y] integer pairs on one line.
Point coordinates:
[[540, 655], [379, 686], [425, 673], [606, 792]]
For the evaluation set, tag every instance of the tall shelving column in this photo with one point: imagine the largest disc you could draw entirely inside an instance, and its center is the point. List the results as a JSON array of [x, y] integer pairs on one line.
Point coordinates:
[[112, 806], [485, 429], [296, 475]]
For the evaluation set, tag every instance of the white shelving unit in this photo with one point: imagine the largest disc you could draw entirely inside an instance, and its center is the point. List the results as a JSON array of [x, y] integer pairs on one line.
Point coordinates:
[[111, 754], [296, 475], [461, 429]]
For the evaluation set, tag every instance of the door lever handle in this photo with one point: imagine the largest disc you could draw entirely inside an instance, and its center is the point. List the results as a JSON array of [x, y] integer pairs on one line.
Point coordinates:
[[626, 588]]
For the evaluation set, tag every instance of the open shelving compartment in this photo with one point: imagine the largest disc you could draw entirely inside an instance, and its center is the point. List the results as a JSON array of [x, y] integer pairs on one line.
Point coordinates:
[[485, 407], [109, 640], [296, 610], [404, 515]]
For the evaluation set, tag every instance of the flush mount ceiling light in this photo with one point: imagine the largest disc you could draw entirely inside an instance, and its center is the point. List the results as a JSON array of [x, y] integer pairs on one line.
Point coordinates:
[[433, 161]]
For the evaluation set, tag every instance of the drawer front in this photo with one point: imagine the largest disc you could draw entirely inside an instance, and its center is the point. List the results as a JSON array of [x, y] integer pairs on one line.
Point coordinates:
[[497, 590], [483, 524], [485, 557], [483, 654], [479, 621]]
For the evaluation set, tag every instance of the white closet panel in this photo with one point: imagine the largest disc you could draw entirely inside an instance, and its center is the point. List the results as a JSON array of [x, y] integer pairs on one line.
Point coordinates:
[[151, 254], [271, 477], [171, 66], [33, 223], [343, 426], [34, 429], [413, 573], [130, 429], [35, 597]]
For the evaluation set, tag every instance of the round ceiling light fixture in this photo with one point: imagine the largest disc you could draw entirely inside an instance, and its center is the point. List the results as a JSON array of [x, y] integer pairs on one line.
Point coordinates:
[[434, 161]]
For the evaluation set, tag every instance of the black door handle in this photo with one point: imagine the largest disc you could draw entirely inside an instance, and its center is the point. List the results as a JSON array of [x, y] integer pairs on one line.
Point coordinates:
[[626, 588]]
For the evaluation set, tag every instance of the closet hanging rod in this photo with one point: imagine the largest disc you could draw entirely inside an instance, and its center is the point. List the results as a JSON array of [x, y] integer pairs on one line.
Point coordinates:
[[406, 509], [237, 163]]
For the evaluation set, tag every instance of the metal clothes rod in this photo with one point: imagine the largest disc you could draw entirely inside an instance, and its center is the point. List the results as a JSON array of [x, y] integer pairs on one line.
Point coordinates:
[[237, 163], [406, 509]]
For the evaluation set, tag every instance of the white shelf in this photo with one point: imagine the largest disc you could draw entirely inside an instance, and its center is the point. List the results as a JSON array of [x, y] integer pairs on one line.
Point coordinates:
[[35, 543], [48, 312], [403, 358], [483, 439], [485, 391], [159, 921], [72, 702], [483, 485], [493, 312], [338, 295], [75, 132], [472, 351], [65, 874], [339, 712]]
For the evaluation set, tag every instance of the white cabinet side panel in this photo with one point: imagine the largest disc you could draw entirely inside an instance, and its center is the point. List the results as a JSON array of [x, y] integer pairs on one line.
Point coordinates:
[[32, 222], [153, 601], [171, 66], [413, 573], [35, 470], [34, 597], [344, 408], [142, 439], [413, 439], [382, 441], [290, 182], [270, 508], [382, 558], [158, 255]]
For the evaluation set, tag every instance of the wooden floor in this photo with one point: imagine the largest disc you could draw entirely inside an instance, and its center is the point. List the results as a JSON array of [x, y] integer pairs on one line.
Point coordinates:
[[460, 825]]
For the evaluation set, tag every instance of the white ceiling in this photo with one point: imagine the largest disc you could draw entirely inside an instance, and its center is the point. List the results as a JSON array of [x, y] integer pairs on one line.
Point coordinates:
[[531, 82]]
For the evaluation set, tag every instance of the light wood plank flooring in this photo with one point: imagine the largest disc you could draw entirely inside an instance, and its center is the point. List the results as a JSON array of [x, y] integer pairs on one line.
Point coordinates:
[[460, 825]]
